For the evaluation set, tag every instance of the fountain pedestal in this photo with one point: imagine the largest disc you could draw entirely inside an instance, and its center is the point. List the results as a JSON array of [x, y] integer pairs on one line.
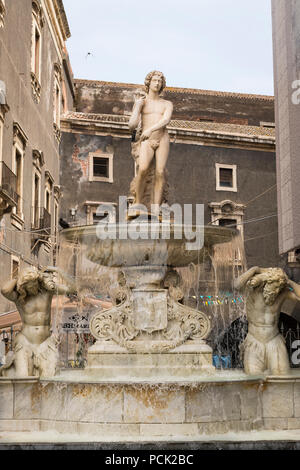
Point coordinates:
[[149, 332], [110, 361]]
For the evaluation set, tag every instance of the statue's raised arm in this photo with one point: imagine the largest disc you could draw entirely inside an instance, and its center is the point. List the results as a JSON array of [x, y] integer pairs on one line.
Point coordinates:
[[241, 282], [8, 290], [35, 348], [136, 112], [264, 348]]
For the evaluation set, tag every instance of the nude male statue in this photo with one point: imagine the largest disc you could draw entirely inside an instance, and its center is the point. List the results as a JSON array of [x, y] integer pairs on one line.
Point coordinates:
[[264, 347], [155, 114], [35, 350]]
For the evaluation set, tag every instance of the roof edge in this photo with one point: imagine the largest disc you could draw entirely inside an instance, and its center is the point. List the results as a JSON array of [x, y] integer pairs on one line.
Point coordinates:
[[195, 91]]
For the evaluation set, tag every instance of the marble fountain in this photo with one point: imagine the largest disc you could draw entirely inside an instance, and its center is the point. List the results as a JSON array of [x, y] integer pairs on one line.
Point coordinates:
[[149, 375]]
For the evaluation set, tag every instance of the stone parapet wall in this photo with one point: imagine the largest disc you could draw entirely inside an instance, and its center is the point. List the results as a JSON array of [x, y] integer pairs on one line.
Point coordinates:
[[150, 409]]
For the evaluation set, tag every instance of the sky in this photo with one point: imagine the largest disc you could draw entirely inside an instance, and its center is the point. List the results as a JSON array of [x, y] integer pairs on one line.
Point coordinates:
[[223, 45]]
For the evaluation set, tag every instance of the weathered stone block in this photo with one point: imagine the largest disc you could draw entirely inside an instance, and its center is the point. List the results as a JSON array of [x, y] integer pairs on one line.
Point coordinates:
[[112, 430], [169, 430], [297, 399], [214, 403], [6, 401], [20, 425], [276, 424], [293, 423], [278, 400], [53, 401], [154, 405], [27, 400], [94, 403], [251, 408], [64, 427], [240, 426], [213, 428]]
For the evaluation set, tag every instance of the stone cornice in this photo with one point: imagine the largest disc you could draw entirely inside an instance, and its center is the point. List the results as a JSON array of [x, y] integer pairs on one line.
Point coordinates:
[[57, 22], [235, 208], [18, 133], [38, 158], [199, 133], [49, 176], [57, 191], [62, 18]]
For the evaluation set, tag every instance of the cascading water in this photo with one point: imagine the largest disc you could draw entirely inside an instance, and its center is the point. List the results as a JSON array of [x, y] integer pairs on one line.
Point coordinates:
[[204, 284]]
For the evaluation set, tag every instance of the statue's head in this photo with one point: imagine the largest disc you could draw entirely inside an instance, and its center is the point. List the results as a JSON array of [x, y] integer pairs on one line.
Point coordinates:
[[272, 281], [28, 282], [159, 76]]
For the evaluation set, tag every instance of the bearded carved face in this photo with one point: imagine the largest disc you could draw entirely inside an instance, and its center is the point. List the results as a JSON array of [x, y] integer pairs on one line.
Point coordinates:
[[32, 287], [271, 291]]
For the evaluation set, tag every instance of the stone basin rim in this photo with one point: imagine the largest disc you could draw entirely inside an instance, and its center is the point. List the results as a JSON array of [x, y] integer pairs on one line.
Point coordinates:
[[213, 234]]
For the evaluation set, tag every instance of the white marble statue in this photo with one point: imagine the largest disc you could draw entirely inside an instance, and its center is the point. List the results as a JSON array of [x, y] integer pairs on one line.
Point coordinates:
[[265, 290], [35, 348], [153, 114]]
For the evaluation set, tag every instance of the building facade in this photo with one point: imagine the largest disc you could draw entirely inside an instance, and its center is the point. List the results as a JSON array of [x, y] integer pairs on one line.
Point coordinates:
[[286, 46], [60, 161], [35, 88]]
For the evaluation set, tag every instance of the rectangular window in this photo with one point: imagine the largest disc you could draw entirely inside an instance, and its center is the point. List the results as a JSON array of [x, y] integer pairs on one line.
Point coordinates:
[[36, 50], [47, 201], [232, 223], [37, 53], [36, 200], [226, 177], [46, 219], [55, 217], [101, 168], [57, 100], [20, 140], [63, 103], [15, 266], [98, 218], [18, 170]]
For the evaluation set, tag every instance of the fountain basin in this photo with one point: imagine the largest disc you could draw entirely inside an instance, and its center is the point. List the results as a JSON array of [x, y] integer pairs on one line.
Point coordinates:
[[168, 247], [149, 410], [148, 331]]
